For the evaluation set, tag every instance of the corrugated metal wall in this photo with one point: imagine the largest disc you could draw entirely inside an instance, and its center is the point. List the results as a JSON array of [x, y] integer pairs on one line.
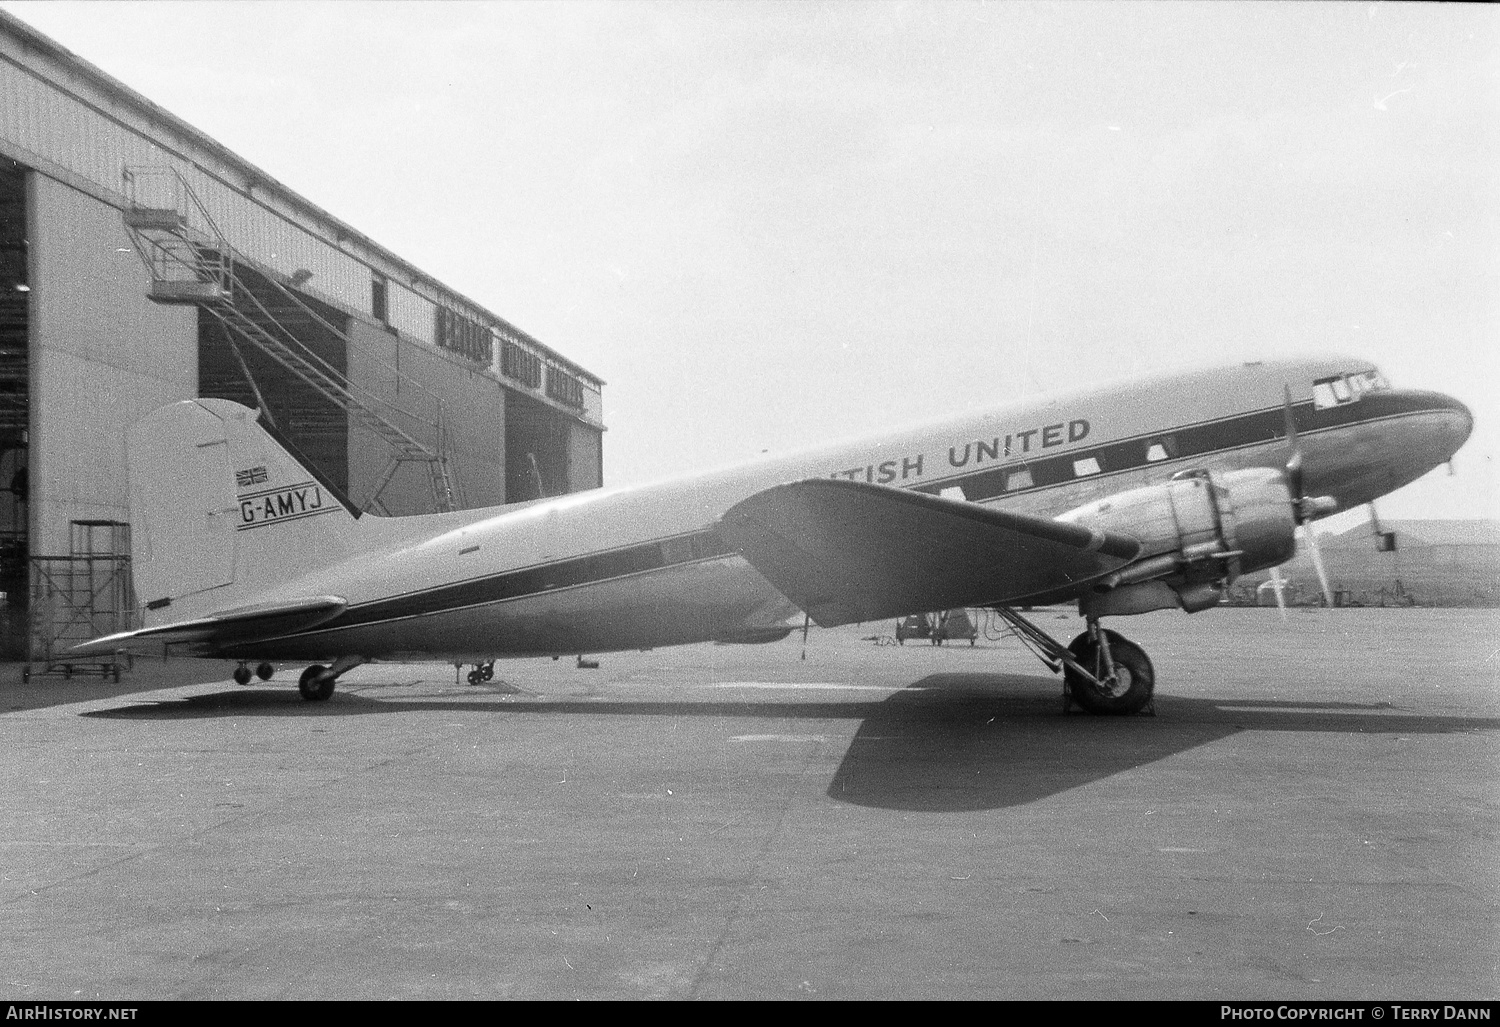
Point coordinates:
[[61, 130], [72, 124], [69, 132]]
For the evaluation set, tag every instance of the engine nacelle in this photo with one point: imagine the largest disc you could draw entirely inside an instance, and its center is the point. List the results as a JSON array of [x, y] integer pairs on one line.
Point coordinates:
[[1198, 532]]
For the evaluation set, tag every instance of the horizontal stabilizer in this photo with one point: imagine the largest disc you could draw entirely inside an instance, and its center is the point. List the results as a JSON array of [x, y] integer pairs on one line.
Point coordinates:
[[242, 624], [847, 551]]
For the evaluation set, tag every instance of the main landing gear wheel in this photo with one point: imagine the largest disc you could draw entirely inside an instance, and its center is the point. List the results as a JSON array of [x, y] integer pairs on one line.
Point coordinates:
[[242, 675], [1134, 679], [264, 671], [316, 683]]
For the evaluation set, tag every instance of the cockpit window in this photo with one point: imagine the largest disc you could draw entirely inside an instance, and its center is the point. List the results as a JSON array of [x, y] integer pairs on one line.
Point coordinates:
[[1331, 392]]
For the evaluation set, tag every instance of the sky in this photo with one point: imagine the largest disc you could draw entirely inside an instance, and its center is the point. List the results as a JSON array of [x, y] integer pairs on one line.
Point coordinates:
[[767, 225]]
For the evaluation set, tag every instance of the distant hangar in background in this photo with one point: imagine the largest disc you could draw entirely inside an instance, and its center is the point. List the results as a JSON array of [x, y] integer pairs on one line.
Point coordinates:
[[141, 263]]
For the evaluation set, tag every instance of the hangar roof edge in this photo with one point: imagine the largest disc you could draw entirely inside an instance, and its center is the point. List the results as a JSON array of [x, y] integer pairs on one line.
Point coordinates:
[[37, 40]]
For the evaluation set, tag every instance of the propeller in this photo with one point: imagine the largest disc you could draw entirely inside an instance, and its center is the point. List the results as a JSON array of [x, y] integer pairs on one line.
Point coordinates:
[[1317, 559], [1304, 507], [1278, 585]]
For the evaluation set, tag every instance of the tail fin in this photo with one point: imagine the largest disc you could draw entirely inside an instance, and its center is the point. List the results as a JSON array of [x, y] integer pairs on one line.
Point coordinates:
[[221, 511]]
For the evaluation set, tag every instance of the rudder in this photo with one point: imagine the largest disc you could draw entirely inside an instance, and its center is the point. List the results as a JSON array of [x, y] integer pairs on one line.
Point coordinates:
[[221, 512]]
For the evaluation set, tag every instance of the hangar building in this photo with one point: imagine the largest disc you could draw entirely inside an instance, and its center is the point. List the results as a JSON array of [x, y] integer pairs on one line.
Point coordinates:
[[142, 263]]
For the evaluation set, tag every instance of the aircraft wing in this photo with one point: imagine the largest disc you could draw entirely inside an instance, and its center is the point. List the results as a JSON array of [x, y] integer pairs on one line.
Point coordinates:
[[242, 624], [847, 551]]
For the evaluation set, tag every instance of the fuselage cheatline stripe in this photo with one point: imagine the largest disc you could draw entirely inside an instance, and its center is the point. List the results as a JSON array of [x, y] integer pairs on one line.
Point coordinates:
[[1188, 442]]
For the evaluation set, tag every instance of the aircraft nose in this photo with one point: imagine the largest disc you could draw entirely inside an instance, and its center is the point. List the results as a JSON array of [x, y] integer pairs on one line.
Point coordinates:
[[1446, 422], [1457, 422]]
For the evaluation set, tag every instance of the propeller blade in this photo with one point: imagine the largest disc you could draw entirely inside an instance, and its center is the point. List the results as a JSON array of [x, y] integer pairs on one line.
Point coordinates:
[[1278, 585], [1294, 458], [1317, 559]]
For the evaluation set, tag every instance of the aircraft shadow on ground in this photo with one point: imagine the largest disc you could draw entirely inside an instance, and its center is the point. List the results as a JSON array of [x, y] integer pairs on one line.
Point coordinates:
[[947, 742], [988, 741]]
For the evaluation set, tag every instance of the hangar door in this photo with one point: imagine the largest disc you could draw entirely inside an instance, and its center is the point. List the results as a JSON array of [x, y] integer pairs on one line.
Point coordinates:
[[230, 368], [536, 449], [15, 409]]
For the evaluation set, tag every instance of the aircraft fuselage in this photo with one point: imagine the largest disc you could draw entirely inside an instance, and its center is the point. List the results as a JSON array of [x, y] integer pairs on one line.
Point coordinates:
[[641, 566]]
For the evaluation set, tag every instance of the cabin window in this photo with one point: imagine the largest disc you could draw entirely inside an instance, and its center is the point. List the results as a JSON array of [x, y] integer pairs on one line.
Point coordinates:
[[1088, 465], [1018, 480], [1164, 448], [953, 492]]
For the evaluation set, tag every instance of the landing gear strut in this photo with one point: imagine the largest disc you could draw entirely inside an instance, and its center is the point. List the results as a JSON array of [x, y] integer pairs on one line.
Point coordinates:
[[1103, 672], [316, 682], [1120, 677]]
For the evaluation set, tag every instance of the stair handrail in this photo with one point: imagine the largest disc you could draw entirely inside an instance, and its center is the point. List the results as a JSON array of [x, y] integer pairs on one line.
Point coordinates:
[[199, 247], [226, 250]]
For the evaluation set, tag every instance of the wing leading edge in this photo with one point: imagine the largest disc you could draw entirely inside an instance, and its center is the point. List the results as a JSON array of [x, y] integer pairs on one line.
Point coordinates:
[[848, 551]]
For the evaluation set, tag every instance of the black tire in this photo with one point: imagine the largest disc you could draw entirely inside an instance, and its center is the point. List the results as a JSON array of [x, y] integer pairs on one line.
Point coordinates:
[[1136, 678], [476, 676], [314, 685], [242, 675], [264, 671]]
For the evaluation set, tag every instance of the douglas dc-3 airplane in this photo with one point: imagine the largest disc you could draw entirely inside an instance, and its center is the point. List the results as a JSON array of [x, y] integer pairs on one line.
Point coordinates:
[[1128, 498]]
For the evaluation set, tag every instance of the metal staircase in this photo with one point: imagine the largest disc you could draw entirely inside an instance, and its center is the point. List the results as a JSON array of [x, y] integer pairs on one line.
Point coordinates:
[[191, 262]]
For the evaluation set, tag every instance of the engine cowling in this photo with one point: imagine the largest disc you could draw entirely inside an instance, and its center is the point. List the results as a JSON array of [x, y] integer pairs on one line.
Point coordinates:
[[1198, 532]]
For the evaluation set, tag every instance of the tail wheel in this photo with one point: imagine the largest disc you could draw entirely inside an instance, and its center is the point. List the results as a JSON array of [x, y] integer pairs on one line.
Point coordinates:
[[1135, 679], [316, 684]]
